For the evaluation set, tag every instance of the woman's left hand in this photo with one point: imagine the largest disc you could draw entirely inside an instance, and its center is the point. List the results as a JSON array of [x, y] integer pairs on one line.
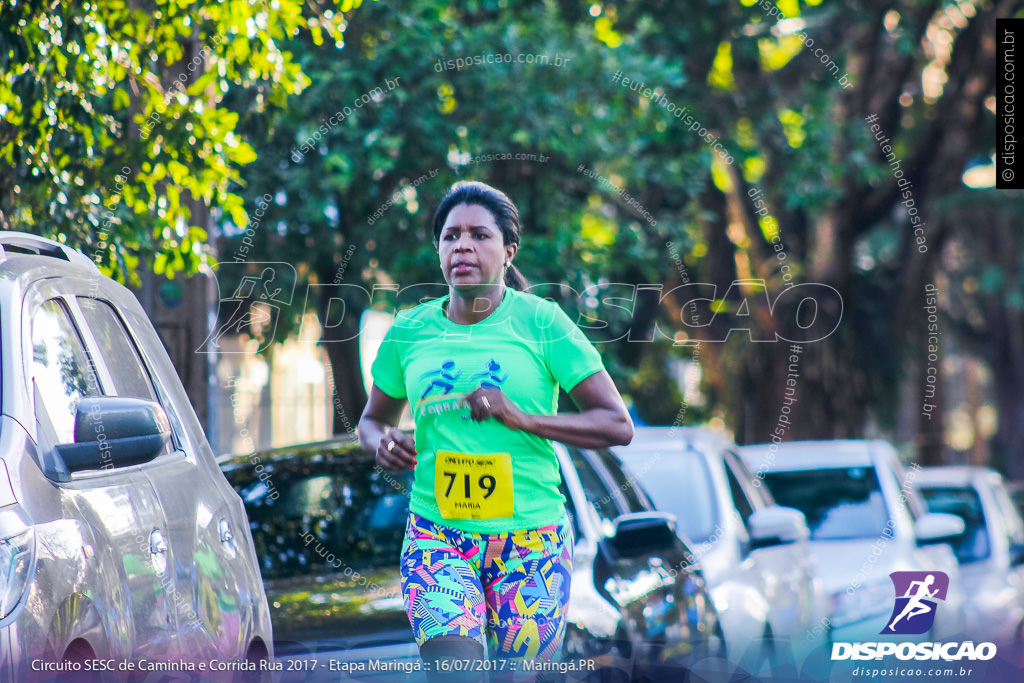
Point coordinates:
[[484, 403]]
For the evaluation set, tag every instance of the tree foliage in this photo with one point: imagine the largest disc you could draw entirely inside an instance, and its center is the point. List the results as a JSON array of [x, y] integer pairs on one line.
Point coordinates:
[[791, 100], [744, 126], [371, 180], [112, 131], [784, 88]]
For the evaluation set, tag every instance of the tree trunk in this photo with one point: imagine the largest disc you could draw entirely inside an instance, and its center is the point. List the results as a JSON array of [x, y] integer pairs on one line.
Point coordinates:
[[340, 340]]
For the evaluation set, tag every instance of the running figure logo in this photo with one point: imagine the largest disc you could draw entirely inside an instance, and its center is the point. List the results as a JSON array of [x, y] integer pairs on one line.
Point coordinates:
[[490, 378], [443, 378], [916, 595]]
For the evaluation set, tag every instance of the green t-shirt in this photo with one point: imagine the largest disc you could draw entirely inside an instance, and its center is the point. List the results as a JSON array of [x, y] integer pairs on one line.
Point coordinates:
[[527, 348]]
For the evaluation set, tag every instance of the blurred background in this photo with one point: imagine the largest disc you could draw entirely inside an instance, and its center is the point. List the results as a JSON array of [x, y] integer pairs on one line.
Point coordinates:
[[188, 147]]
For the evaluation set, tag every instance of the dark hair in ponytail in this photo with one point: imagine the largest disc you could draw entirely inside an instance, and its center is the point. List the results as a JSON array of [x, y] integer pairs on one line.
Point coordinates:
[[505, 213], [515, 279]]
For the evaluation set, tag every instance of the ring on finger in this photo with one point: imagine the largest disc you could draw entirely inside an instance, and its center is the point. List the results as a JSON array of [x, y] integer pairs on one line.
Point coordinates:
[[391, 446], [487, 404]]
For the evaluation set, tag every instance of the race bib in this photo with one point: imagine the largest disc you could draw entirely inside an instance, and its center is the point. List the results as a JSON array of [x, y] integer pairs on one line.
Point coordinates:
[[469, 486]]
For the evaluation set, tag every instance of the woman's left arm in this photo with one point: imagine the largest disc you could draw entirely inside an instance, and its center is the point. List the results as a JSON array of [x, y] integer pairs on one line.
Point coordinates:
[[602, 421]]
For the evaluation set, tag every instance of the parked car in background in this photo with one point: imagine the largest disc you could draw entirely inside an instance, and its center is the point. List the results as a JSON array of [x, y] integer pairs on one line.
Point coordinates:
[[990, 550], [866, 520], [119, 537], [754, 552], [330, 544]]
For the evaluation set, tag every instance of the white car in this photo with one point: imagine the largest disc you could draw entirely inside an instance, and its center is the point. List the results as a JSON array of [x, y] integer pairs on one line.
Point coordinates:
[[754, 553], [991, 549], [867, 520]]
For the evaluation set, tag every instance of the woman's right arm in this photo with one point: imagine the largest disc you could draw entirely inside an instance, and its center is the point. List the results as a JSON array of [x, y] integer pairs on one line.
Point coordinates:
[[377, 431]]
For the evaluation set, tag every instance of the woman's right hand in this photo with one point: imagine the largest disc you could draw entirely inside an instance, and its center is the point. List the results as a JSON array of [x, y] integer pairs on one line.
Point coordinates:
[[396, 451]]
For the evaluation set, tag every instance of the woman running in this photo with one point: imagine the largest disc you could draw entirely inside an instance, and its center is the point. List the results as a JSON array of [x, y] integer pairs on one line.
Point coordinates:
[[487, 555]]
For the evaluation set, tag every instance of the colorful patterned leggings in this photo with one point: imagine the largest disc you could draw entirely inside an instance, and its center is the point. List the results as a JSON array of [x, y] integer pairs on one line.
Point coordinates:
[[507, 591]]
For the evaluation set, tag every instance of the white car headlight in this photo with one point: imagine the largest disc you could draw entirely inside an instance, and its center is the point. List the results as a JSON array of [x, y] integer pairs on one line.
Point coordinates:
[[15, 569]]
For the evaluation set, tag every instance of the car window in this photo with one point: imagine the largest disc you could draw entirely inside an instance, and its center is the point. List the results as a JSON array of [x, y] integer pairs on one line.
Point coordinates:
[[838, 502], [61, 368], [739, 496], [119, 353], [595, 489], [1017, 499], [632, 495], [311, 519], [760, 496], [909, 500], [678, 481], [973, 544], [1010, 515]]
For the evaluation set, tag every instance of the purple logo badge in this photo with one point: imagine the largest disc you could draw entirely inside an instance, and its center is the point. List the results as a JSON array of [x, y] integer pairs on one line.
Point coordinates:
[[917, 594]]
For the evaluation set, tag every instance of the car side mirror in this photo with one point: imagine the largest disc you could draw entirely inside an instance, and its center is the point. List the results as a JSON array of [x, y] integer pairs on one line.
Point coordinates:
[[639, 533], [775, 525], [113, 431], [938, 527]]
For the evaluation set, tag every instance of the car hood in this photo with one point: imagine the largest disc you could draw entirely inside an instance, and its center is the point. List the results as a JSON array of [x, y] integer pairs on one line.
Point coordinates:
[[338, 611], [857, 562]]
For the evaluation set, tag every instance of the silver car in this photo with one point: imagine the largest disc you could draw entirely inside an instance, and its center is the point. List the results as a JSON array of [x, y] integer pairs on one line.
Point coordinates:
[[867, 520], [754, 553], [990, 551], [122, 546]]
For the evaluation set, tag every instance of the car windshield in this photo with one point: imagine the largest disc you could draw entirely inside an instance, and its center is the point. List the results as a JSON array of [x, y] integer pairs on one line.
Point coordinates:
[[972, 545], [838, 502], [324, 517], [677, 481]]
